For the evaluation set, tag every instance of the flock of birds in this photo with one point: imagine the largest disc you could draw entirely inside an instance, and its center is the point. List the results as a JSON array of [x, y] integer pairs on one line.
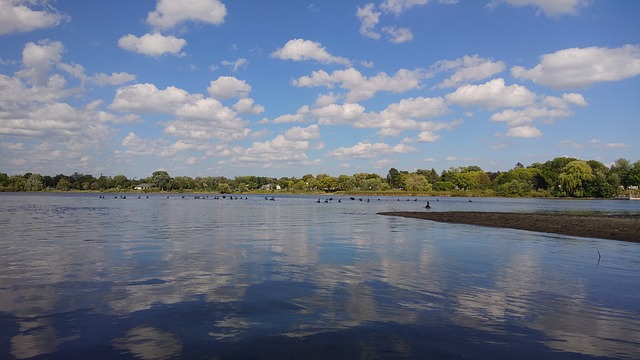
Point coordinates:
[[272, 198]]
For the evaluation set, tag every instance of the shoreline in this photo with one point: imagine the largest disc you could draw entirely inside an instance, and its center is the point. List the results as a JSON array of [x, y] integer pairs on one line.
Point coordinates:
[[622, 227]]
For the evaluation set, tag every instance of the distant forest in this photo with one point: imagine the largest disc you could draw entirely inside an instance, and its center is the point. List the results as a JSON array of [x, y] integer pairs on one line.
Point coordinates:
[[560, 177]]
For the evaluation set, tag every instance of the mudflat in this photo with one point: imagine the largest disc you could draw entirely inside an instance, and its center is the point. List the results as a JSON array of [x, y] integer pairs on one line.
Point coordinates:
[[625, 227]]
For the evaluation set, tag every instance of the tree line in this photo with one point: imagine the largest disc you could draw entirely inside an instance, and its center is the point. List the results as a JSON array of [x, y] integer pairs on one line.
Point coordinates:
[[560, 177]]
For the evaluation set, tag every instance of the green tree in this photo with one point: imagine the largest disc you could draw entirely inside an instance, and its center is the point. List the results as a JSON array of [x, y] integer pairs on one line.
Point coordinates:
[[161, 178], [33, 183], [416, 182], [120, 182], [392, 177], [574, 178], [63, 184], [551, 170], [224, 188], [621, 168], [326, 182], [346, 183], [634, 174]]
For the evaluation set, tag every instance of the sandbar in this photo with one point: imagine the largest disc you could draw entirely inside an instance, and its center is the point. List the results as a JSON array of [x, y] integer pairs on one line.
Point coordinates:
[[624, 227]]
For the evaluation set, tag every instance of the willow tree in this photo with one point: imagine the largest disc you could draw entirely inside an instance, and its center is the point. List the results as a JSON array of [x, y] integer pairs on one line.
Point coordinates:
[[574, 178]]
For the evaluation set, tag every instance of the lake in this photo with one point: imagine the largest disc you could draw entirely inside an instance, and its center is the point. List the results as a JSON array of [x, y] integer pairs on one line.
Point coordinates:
[[164, 277]]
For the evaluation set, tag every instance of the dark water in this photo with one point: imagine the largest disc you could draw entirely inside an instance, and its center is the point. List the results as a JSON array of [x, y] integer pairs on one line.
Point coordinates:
[[158, 278]]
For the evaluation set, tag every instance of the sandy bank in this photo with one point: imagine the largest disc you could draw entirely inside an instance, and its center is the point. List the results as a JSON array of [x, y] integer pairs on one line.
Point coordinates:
[[615, 227]]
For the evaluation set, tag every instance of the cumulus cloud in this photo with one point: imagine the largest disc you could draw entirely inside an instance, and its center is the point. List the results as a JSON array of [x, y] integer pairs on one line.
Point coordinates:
[[427, 136], [601, 145], [369, 19], [525, 131], [546, 109], [582, 67], [279, 152], [236, 64], [246, 106], [493, 94], [467, 69], [206, 119], [25, 15], [551, 8], [399, 6], [369, 150], [416, 108], [300, 116], [398, 35], [169, 13], [301, 50], [38, 60], [154, 44], [147, 98], [360, 87], [334, 114], [227, 87], [113, 79], [310, 132]]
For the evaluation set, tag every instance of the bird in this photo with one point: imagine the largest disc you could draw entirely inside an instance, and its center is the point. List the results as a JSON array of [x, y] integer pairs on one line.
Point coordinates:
[[428, 206]]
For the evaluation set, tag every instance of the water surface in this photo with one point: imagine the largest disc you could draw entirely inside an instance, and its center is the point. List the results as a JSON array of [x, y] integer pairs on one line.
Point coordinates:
[[88, 277]]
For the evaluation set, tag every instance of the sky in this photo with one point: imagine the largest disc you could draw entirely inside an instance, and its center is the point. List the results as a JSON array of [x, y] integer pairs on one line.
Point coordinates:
[[294, 87]]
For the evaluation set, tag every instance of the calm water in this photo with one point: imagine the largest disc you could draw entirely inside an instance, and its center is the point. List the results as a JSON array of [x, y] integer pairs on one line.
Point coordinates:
[[160, 278]]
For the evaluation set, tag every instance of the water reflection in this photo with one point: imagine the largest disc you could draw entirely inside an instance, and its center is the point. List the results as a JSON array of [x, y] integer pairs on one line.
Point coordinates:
[[165, 278]]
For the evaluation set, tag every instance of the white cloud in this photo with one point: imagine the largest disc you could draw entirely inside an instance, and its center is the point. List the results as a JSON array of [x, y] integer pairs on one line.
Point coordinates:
[[113, 79], [334, 114], [399, 6], [301, 50], [147, 98], [311, 132], [226, 87], [416, 108], [600, 145], [571, 144], [137, 146], [246, 106], [427, 136], [492, 94], [369, 150], [169, 13], [467, 69], [236, 64], [547, 109], [369, 18], [300, 116], [360, 87], [206, 119], [279, 152], [38, 60], [524, 131], [154, 44], [326, 99], [582, 67], [549, 7], [398, 35], [20, 16]]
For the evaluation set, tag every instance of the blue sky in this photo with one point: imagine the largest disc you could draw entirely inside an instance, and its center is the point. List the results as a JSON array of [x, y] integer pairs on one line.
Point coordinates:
[[287, 88]]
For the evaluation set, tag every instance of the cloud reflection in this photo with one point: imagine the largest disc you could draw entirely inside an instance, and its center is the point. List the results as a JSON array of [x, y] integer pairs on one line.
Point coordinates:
[[229, 272]]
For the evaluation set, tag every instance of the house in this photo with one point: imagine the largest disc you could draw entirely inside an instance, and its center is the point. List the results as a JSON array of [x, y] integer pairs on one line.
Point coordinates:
[[270, 187], [143, 186]]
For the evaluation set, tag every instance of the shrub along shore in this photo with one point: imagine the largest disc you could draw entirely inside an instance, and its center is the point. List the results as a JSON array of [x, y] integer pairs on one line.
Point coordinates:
[[560, 177]]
